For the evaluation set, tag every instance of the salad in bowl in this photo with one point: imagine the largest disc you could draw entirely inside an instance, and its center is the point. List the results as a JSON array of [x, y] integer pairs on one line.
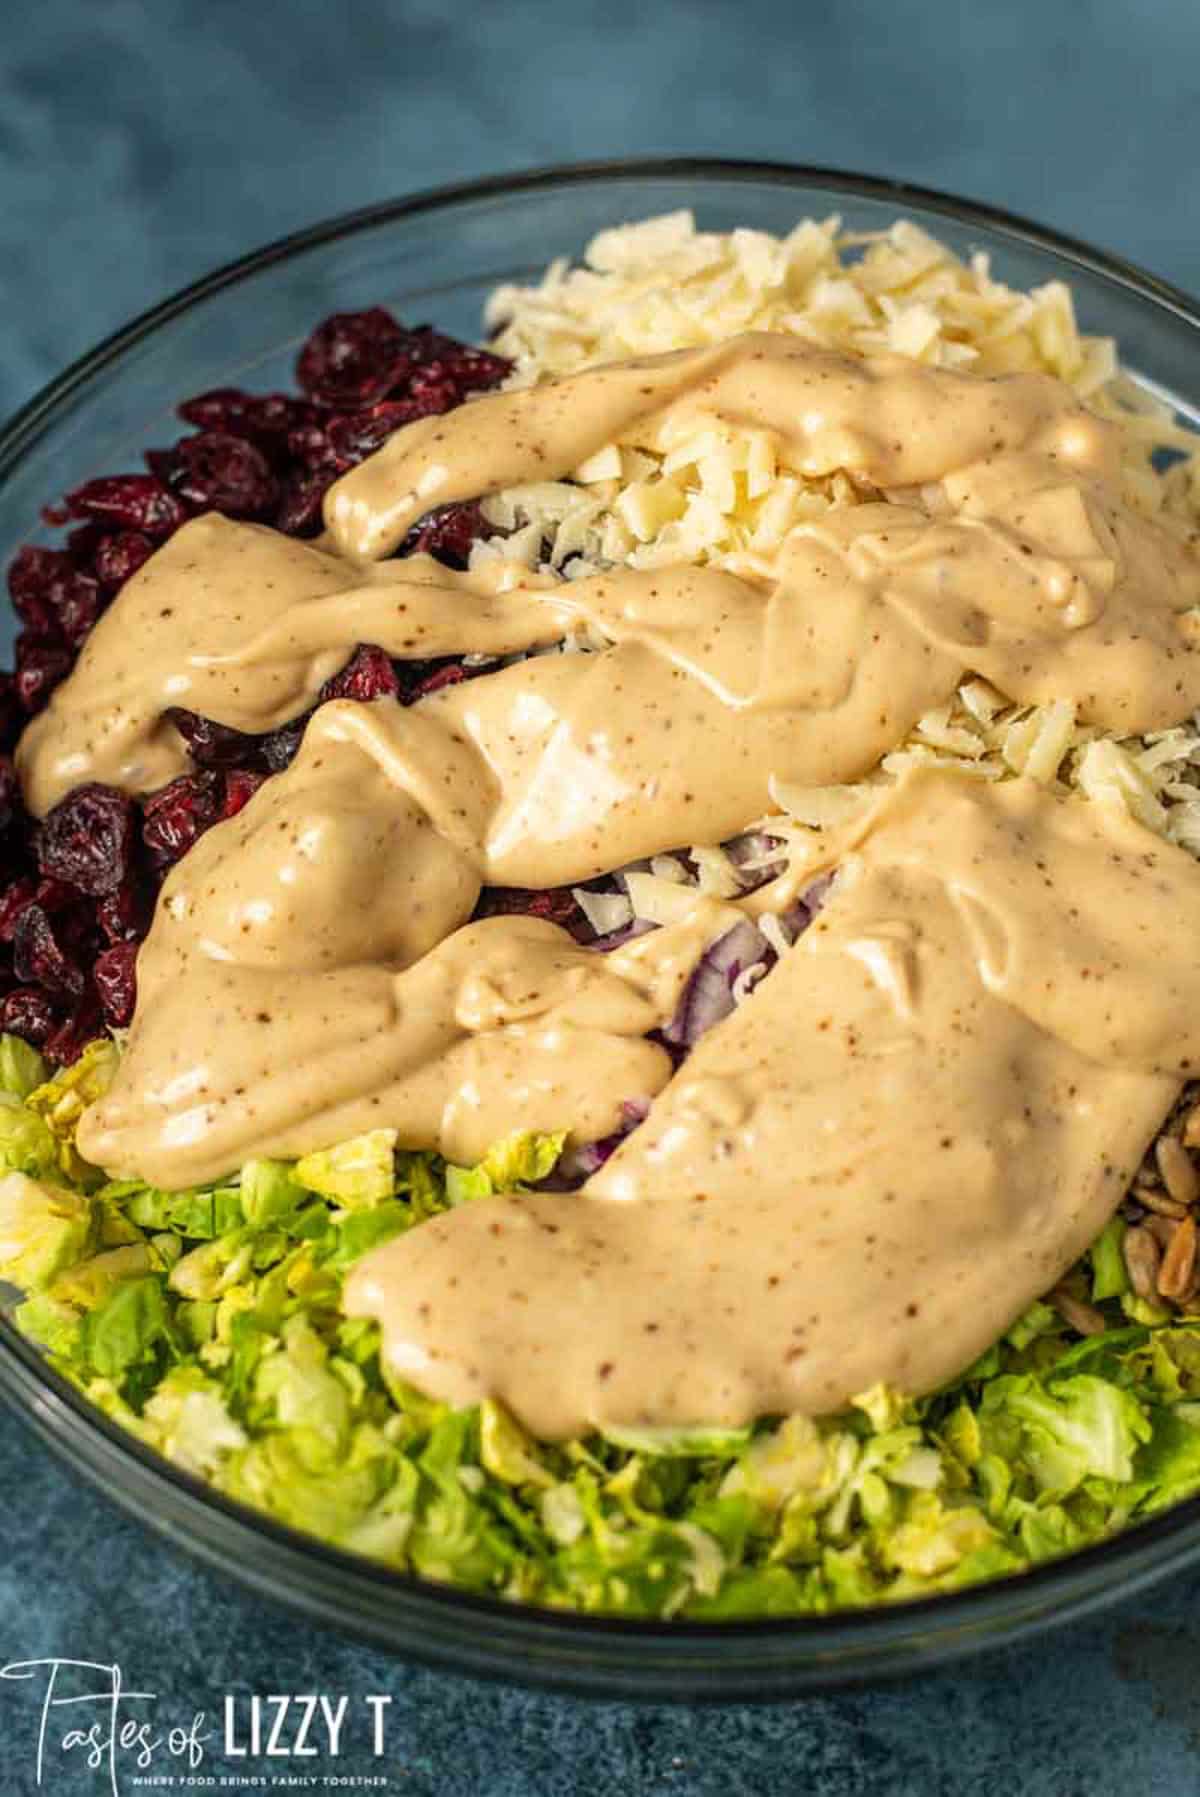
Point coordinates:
[[598, 992]]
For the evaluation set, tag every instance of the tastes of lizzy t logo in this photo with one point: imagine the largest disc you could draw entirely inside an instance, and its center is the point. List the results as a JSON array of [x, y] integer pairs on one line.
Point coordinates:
[[86, 1719]]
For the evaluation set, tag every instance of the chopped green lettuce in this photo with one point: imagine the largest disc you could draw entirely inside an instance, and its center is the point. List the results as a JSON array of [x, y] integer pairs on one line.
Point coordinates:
[[688, 1444], [200, 1216], [512, 1165], [63, 1099], [44, 1228], [1071, 1429], [190, 1422], [89, 1283], [1109, 1277], [27, 1144], [126, 1327], [52, 1324], [208, 1322], [359, 1172], [268, 1190], [22, 1068], [506, 1451]]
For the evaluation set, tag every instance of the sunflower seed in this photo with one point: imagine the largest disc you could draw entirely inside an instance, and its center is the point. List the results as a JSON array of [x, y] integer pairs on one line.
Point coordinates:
[[1142, 1256], [1178, 1169], [1179, 1262], [1081, 1316], [1160, 1202], [1161, 1228]]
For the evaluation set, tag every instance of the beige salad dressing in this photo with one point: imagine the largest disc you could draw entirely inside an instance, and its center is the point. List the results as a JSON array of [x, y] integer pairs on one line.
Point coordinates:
[[903, 1134], [902, 1137]]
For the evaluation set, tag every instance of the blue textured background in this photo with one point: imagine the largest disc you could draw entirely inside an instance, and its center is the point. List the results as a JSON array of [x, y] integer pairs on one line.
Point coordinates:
[[142, 144]]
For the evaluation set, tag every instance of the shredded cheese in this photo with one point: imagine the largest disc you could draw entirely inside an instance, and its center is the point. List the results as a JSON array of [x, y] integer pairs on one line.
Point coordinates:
[[706, 491]]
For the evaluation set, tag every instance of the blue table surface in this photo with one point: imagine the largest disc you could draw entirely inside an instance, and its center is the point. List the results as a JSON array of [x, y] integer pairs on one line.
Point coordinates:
[[142, 145]]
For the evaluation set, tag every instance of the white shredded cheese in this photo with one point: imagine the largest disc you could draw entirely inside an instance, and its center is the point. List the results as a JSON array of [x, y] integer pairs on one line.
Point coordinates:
[[705, 490], [747, 980], [656, 900], [772, 929], [715, 872], [605, 911]]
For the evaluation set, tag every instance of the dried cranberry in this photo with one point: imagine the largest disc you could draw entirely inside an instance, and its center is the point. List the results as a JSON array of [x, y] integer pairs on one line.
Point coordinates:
[[279, 748], [219, 409], [431, 394], [558, 905], [11, 719], [161, 463], [216, 472], [39, 956], [273, 416], [87, 839], [38, 581], [40, 619], [271, 457], [116, 982], [367, 675], [118, 557], [132, 501], [15, 899], [70, 1039], [55, 895], [181, 812], [80, 608], [82, 543], [31, 572], [10, 793], [444, 359], [263, 418], [354, 359], [50, 895], [30, 1013], [40, 667], [214, 745], [356, 435], [310, 443], [124, 915], [299, 513], [448, 534], [448, 674], [241, 784]]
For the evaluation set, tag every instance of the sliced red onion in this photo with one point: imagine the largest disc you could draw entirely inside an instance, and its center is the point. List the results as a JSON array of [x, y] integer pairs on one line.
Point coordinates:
[[578, 1164], [640, 926], [724, 976], [796, 919], [814, 896], [708, 996], [751, 855]]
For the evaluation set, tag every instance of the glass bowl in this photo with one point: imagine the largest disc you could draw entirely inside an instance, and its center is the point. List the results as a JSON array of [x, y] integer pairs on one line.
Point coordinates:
[[436, 257]]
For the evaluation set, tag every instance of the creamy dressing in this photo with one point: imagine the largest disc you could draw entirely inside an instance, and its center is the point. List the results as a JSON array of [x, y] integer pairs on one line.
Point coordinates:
[[887, 421], [903, 1134], [1028, 566], [306, 978]]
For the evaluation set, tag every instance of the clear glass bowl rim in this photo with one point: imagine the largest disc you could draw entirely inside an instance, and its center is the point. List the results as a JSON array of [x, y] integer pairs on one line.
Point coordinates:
[[745, 1661]]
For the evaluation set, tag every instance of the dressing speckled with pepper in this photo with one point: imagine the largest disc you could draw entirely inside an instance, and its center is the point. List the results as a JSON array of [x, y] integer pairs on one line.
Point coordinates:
[[899, 1138]]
